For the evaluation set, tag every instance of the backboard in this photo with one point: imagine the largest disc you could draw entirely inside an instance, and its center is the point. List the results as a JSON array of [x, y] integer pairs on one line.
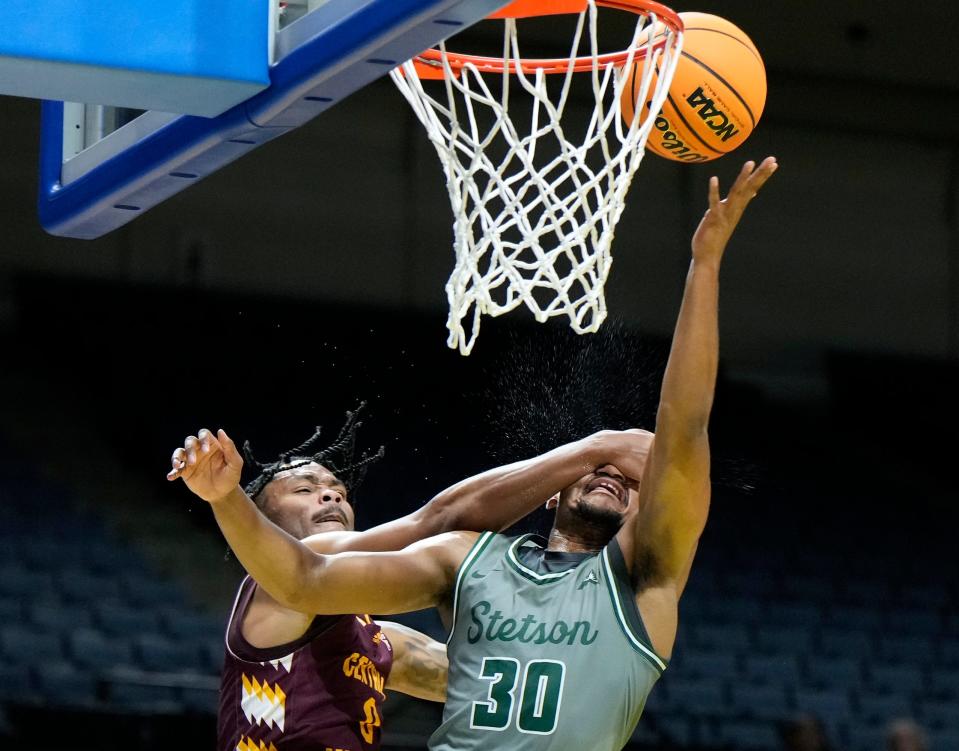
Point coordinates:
[[103, 165]]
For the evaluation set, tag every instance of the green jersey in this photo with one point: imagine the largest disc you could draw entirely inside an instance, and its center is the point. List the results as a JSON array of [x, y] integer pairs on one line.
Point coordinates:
[[544, 659]]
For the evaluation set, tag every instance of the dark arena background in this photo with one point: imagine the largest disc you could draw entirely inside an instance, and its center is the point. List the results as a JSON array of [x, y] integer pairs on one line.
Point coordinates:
[[279, 292]]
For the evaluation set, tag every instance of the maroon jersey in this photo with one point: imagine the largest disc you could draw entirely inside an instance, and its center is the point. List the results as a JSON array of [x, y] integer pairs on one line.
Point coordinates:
[[322, 692]]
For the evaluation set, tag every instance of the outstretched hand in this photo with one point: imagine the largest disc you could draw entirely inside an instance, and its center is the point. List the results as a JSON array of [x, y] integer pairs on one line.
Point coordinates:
[[209, 465], [723, 215]]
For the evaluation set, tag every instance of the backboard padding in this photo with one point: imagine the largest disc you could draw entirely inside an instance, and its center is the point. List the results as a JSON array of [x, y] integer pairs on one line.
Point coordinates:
[[320, 59]]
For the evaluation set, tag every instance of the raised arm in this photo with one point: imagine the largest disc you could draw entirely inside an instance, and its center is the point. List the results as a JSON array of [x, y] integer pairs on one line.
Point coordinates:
[[675, 491], [294, 575], [417, 577], [497, 498], [493, 500]]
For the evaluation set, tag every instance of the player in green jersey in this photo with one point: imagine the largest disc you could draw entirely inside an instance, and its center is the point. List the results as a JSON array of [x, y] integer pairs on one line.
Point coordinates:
[[556, 643]]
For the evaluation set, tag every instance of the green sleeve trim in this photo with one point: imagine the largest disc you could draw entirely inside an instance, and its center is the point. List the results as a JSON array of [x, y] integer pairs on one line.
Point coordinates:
[[624, 605]]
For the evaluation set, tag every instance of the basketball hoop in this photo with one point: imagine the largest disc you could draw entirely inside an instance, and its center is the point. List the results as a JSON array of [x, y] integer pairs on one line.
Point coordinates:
[[535, 212]]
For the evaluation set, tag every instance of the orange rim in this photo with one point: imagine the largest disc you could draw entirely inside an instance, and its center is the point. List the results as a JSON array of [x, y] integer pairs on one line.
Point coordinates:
[[530, 8], [429, 64]]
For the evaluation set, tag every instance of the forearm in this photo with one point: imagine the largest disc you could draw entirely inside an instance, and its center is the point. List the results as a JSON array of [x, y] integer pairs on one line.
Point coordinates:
[[492, 500], [499, 497], [347, 582], [690, 379], [674, 496], [277, 562], [420, 664]]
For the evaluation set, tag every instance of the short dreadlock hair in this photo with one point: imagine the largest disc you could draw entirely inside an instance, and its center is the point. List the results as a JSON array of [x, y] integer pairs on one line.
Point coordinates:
[[339, 457]]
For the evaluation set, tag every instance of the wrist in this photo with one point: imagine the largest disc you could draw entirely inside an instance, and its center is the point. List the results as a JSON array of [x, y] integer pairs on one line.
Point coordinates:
[[595, 450], [235, 495], [706, 263]]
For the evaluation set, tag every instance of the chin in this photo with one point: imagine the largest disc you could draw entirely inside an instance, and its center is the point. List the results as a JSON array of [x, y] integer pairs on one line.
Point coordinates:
[[604, 504], [606, 514], [328, 526]]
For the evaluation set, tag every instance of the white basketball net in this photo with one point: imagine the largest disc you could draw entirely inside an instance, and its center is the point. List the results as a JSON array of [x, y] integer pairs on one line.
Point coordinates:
[[534, 212]]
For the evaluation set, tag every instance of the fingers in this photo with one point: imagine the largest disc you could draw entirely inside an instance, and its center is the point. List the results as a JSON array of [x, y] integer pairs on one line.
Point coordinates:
[[232, 456], [177, 462], [769, 164], [748, 182], [759, 175], [207, 441], [183, 460], [713, 192], [195, 448], [763, 173], [740, 186], [750, 179], [191, 444]]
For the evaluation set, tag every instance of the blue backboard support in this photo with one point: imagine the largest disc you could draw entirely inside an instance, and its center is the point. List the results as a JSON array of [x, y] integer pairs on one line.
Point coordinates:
[[320, 59], [149, 56]]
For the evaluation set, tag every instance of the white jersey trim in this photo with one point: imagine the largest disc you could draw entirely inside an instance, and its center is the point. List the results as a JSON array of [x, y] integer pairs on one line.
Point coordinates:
[[526, 570], [621, 616]]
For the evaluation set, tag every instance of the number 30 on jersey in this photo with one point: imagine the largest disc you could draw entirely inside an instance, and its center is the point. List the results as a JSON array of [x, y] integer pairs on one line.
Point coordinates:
[[539, 701]]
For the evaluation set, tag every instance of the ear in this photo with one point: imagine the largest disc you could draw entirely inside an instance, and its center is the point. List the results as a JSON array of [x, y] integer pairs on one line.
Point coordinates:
[[552, 503]]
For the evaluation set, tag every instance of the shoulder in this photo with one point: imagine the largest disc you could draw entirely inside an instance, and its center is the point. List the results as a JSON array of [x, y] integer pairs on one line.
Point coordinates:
[[452, 544], [459, 538], [448, 550]]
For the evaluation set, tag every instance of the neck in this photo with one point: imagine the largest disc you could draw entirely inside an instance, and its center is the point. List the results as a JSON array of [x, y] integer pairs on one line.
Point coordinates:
[[568, 542]]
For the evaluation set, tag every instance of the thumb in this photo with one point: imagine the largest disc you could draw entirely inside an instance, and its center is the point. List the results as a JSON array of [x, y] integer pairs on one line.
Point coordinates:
[[230, 454]]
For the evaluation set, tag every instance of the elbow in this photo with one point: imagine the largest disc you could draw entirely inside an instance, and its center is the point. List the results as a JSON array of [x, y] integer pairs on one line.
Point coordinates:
[[295, 592], [447, 512], [682, 422]]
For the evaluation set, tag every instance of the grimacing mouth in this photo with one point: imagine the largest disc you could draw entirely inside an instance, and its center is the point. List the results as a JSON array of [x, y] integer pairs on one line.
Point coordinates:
[[610, 485], [329, 516]]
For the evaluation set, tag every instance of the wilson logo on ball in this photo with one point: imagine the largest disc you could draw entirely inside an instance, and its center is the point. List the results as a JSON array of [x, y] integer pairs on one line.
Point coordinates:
[[673, 145], [716, 97]]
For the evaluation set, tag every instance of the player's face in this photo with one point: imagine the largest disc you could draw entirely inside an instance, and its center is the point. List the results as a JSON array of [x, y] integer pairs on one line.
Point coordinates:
[[307, 500], [605, 496]]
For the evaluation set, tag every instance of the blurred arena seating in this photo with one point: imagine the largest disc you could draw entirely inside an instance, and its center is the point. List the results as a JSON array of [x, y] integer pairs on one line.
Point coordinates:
[[86, 623], [857, 637]]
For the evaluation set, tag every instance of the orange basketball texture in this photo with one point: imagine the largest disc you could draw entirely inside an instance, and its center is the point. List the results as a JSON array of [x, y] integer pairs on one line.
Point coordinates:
[[716, 97]]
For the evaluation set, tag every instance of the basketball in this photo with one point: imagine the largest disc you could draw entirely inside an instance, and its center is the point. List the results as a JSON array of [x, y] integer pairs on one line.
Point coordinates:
[[716, 97]]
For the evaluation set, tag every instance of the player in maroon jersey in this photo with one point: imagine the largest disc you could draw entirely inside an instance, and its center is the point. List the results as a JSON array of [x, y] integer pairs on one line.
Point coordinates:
[[293, 680]]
